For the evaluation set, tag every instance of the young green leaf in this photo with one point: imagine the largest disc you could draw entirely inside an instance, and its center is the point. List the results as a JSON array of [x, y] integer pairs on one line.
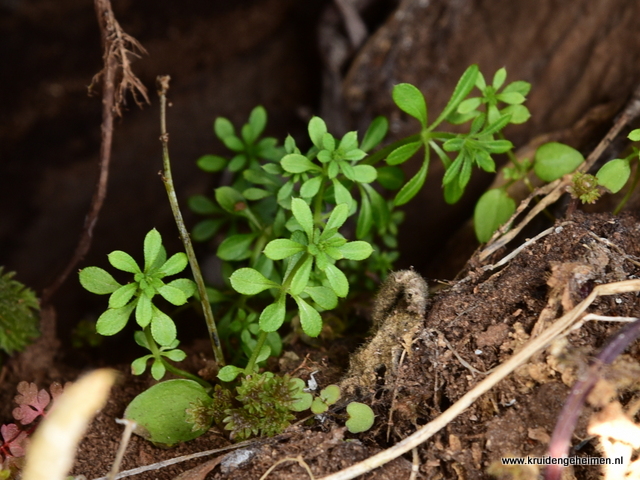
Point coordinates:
[[323, 296], [229, 373], [331, 394], [158, 369], [413, 186], [139, 365], [173, 295], [144, 311], [152, 246], [236, 247], [163, 329], [230, 199], [317, 129], [248, 281], [282, 248], [223, 128], [337, 218], [493, 209], [553, 160], [364, 173], [410, 100], [465, 85], [390, 177], [257, 121], [357, 250], [303, 215], [403, 153], [614, 175], [634, 135], [98, 281], [211, 163], [337, 280], [301, 277], [311, 187], [318, 407], [272, 317], [114, 320], [296, 163], [310, 319], [255, 193], [121, 296], [123, 261], [341, 194], [375, 133], [175, 264], [175, 355]]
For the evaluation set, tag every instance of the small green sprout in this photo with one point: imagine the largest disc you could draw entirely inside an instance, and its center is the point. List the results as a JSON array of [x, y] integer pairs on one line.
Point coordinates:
[[361, 417], [328, 396]]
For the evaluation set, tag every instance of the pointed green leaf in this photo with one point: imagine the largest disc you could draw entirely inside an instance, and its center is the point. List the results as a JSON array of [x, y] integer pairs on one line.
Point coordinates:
[[519, 113], [163, 329], [323, 296], [311, 187], [358, 250], [410, 100], [296, 163], [413, 186], [248, 281], [282, 248], [310, 319], [337, 280], [121, 296], [380, 210], [123, 261], [301, 277], [469, 105], [139, 365], [272, 317], [553, 160], [98, 281], [255, 193], [223, 128], [464, 86], [493, 209], [114, 320], [390, 177], [175, 264], [144, 311], [302, 213], [317, 129], [206, 229], [403, 153], [187, 286], [257, 121], [328, 142], [236, 247], [229, 373], [341, 194], [265, 352], [173, 295], [230, 199], [499, 78], [614, 175], [175, 355], [519, 86], [211, 163], [152, 246], [375, 133], [337, 218]]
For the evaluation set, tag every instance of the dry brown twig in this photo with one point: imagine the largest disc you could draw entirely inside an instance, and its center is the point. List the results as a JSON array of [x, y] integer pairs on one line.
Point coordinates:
[[117, 80]]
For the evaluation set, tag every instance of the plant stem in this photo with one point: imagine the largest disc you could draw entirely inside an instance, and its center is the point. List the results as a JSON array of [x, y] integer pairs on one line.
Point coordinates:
[[163, 86], [256, 351], [153, 346]]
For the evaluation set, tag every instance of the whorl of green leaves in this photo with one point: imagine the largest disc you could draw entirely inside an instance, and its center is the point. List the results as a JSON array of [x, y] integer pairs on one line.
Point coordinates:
[[18, 314]]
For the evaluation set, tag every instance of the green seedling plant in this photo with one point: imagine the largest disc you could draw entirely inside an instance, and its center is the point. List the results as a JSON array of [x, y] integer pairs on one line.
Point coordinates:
[[158, 334]]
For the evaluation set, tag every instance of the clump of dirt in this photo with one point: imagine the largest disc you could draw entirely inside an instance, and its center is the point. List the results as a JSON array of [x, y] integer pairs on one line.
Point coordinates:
[[470, 327]]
